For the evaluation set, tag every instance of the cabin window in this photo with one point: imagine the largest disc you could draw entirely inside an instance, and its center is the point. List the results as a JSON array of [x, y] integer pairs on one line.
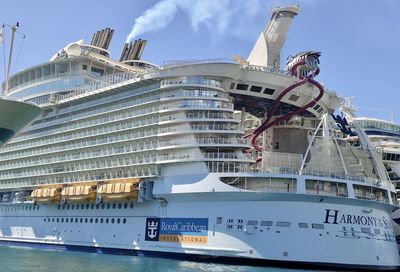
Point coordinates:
[[232, 86], [266, 223], [255, 89], [317, 226], [283, 224], [303, 225], [269, 91], [242, 87]]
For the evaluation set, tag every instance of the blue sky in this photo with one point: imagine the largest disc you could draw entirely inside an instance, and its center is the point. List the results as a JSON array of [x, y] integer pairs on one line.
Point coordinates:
[[359, 39]]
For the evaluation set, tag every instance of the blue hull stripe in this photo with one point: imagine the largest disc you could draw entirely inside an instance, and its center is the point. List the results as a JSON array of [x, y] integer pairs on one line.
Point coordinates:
[[203, 258]]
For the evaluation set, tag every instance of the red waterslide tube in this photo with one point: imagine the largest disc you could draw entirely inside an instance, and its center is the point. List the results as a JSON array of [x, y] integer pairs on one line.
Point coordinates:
[[267, 122]]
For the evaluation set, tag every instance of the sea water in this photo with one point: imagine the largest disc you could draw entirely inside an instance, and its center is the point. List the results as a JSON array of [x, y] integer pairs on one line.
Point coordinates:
[[17, 259]]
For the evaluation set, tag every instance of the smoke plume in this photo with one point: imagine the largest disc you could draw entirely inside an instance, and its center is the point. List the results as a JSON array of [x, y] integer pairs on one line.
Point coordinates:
[[216, 15]]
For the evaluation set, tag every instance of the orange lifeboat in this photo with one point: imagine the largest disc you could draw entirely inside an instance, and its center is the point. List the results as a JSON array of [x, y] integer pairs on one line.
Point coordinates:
[[119, 190], [79, 192], [48, 194]]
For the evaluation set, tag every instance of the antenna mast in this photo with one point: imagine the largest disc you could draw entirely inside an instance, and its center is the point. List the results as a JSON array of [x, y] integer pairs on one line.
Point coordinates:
[[13, 30]]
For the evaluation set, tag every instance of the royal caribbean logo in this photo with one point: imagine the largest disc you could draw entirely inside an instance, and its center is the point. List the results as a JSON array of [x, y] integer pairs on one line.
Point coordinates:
[[177, 230]]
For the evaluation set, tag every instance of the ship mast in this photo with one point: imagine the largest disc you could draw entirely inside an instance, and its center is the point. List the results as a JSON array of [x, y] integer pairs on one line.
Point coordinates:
[[13, 30]]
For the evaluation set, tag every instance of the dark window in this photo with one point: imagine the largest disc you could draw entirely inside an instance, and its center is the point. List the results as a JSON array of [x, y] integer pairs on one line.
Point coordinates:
[[102, 206], [58, 207], [97, 206], [108, 205], [255, 89], [232, 85], [283, 224], [112, 221], [317, 226], [107, 220], [242, 87], [87, 206], [294, 97], [82, 206], [92, 206], [66, 220], [96, 220], [62, 220], [44, 219], [119, 205], [91, 220], [58, 220], [219, 220], [52, 220], [114, 206], [266, 223], [77, 206], [131, 205], [72, 206], [71, 220], [84, 67], [365, 230], [81, 220], [252, 222], [118, 220], [269, 91], [124, 221], [86, 220], [101, 220], [125, 205], [76, 220], [67, 206], [317, 107], [303, 225]]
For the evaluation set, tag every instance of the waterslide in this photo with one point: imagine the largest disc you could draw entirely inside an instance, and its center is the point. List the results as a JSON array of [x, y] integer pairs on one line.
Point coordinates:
[[305, 67]]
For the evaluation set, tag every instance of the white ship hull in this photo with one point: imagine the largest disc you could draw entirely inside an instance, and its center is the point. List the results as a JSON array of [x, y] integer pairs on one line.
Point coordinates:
[[339, 233]]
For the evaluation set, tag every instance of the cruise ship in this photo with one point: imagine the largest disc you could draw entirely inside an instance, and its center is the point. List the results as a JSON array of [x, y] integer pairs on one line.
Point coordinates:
[[135, 158]]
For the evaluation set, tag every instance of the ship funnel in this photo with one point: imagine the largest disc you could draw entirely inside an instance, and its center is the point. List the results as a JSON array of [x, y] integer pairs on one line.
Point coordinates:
[[133, 50], [267, 50], [102, 38]]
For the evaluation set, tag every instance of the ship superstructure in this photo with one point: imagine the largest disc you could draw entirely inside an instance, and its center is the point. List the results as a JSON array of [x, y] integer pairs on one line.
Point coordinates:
[[152, 160]]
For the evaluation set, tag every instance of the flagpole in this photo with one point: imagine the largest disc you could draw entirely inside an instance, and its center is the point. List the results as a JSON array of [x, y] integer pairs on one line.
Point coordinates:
[[13, 29]]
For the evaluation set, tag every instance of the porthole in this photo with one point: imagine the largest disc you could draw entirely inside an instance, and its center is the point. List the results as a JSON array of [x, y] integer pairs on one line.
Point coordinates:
[[97, 206], [86, 220], [66, 220], [102, 206], [58, 207], [112, 221], [119, 205], [107, 221], [96, 220], [124, 221], [63, 207], [71, 220], [114, 206], [77, 206], [62, 220], [81, 220], [131, 205], [37, 207], [72, 206], [101, 221], [67, 206], [125, 205], [58, 220], [92, 206], [44, 219], [52, 220], [108, 206], [87, 206], [76, 220], [91, 220], [118, 220], [82, 206]]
